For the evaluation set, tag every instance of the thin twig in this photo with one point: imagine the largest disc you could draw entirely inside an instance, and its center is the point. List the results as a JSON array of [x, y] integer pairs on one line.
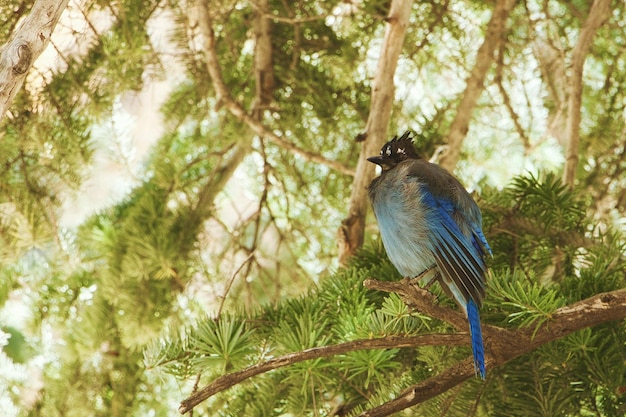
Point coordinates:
[[229, 284]]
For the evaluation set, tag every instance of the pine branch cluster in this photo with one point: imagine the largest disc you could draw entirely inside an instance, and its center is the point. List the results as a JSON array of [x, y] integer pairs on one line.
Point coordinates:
[[582, 371]]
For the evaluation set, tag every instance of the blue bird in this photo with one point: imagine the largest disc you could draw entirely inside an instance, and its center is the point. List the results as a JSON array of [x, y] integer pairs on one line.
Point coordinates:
[[428, 221]]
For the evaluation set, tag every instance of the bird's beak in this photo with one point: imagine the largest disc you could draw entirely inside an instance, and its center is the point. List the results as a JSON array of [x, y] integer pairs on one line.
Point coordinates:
[[378, 160]]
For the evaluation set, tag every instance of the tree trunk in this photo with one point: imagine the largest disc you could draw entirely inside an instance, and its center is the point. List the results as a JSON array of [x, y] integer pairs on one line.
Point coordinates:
[[549, 54], [474, 85], [24, 47], [598, 14], [352, 229], [264, 77]]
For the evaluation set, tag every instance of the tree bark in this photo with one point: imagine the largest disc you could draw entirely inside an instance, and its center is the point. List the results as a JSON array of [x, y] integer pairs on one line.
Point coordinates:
[[263, 70], [24, 47], [598, 13], [352, 229], [475, 82]]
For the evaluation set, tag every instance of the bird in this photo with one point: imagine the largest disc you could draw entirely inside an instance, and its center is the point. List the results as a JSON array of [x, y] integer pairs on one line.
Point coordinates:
[[429, 222]]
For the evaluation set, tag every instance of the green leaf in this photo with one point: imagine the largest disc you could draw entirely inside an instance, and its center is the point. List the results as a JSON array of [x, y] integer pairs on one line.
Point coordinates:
[[370, 366], [222, 344], [528, 302]]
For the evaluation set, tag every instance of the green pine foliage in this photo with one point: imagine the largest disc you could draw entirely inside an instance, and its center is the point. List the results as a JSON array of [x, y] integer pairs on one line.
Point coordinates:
[[222, 345], [577, 375], [121, 312]]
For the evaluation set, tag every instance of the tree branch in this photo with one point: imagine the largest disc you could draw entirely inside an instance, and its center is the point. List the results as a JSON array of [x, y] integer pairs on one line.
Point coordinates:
[[225, 100], [598, 14], [474, 85], [352, 229], [552, 66], [502, 346], [389, 342], [263, 69], [24, 47]]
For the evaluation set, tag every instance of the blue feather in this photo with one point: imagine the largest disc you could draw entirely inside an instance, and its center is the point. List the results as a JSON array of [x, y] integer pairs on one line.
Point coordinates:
[[477, 338]]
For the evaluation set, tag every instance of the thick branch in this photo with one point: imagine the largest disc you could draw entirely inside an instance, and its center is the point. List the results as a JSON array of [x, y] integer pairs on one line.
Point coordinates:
[[502, 346], [224, 98], [474, 85], [24, 47], [390, 342], [352, 230], [598, 14]]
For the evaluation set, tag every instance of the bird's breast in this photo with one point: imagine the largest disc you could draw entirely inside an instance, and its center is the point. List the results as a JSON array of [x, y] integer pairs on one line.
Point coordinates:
[[403, 221]]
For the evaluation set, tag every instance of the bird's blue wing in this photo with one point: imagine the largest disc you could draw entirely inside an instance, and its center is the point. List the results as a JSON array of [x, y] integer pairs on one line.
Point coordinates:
[[457, 255], [460, 261]]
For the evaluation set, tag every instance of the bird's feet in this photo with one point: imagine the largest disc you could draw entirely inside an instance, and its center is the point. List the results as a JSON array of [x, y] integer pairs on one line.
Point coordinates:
[[428, 271]]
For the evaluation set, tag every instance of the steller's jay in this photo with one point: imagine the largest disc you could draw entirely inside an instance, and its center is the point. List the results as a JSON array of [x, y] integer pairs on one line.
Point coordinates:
[[428, 220]]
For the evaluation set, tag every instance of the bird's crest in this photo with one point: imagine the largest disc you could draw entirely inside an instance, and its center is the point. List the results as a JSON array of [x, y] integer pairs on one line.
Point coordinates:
[[399, 147], [395, 151]]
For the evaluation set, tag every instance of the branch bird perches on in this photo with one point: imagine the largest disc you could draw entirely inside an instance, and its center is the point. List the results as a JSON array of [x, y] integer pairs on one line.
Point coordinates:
[[501, 345]]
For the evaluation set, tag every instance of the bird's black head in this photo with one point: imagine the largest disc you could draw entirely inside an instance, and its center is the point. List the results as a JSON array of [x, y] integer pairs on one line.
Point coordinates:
[[395, 151]]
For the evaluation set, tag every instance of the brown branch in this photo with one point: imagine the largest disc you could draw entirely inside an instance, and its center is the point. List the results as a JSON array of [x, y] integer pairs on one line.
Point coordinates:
[[296, 20], [352, 229], [502, 346], [24, 47], [224, 98], [229, 283], [389, 342], [264, 85], [474, 85], [598, 14]]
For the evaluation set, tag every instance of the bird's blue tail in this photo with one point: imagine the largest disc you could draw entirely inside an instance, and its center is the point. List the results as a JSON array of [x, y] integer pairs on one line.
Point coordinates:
[[477, 338]]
